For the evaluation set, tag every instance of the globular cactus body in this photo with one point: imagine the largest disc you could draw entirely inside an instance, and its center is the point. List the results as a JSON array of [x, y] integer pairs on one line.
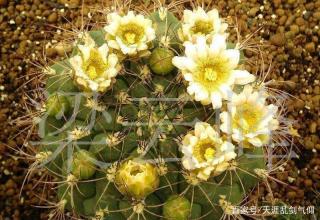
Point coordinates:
[[122, 154]]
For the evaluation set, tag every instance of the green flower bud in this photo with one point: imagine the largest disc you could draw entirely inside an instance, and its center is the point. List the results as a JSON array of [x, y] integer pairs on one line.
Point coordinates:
[[82, 165], [161, 61], [137, 178], [57, 104], [176, 208]]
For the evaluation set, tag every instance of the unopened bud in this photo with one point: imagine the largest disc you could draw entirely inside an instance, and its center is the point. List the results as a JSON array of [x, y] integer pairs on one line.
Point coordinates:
[[82, 165], [161, 61], [177, 208], [137, 178]]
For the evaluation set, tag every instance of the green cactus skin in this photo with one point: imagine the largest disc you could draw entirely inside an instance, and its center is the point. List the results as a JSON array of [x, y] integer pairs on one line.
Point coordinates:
[[122, 132], [107, 122], [50, 144], [82, 165], [177, 208], [61, 80], [151, 200], [57, 104], [167, 27], [48, 125], [161, 61], [74, 199]]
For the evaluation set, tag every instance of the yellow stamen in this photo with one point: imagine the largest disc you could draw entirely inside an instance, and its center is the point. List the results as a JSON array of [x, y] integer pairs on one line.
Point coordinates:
[[247, 117], [202, 27], [92, 73], [131, 33], [204, 151], [130, 37], [209, 154], [210, 74], [95, 65]]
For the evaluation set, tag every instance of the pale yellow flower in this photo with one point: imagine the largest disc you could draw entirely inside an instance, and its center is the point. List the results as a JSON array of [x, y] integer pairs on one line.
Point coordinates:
[[130, 33], [200, 23], [205, 153], [211, 70], [249, 118], [137, 178], [94, 67]]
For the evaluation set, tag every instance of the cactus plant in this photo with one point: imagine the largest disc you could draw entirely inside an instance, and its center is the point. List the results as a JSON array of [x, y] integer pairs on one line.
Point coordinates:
[[132, 127]]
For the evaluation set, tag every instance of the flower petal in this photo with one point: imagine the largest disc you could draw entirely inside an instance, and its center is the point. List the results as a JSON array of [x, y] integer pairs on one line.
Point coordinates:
[[218, 44], [104, 50], [201, 94], [233, 57], [226, 125], [188, 77], [255, 141], [243, 77], [183, 63], [216, 100], [85, 51]]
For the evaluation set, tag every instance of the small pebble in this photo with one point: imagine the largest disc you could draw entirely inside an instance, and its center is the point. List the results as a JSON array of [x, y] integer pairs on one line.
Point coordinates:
[[310, 47], [308, 182], [53, 17], [313, 127], [291, 194], [278, 39], [3, 2]]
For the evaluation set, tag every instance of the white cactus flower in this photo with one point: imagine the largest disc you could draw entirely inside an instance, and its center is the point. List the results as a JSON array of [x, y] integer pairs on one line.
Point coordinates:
[[94, 67], [200, 23], [249, 119], [130, 33], [210, 70], [205, 153]]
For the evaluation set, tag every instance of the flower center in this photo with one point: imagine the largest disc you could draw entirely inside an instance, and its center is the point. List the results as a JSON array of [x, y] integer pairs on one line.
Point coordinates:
[[130, 37], [210, 74], [202, 27], [204, 151], [131, 33], [247, 117], [95, 66], [135, 170]]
